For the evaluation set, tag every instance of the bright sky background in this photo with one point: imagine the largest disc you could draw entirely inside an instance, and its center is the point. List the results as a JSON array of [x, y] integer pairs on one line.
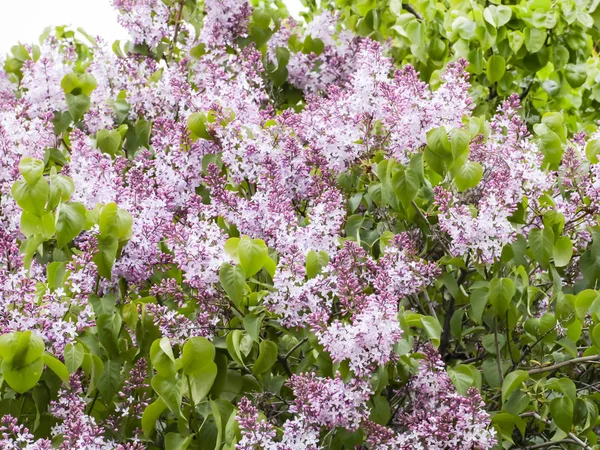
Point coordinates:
[[25, 20]]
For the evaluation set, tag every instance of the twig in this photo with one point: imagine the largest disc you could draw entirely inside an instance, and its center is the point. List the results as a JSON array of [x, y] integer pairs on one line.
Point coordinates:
[[559, 365], [429, 303], [411, 10], [498, 356], [549, 443], [177, 24], [571, 435], [294, 348]]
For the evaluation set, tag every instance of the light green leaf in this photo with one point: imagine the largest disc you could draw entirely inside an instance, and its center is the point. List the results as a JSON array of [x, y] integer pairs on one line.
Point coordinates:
[[73, 356], [31, 169], [233, 280], [151, 415], [57, 367], [315, 263], [513, 381], [496, 67], [541, 244], [267, 356], [433, 329], [70, 222], [23, 378], [253, 254], [109, 141], [562, 251], [467, 175]]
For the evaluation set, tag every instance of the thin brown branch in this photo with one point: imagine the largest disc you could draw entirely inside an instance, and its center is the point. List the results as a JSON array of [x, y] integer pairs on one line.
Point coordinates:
[[560, 365]]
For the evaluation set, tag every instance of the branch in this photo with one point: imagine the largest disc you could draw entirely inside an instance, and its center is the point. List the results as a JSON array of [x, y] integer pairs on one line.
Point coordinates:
[[411, 10], [294, 348], [556, 366], [177, 24], [549, 443], [571, 435]]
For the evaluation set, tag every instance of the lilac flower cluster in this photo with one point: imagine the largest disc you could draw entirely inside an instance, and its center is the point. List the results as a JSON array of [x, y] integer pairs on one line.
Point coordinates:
[[438, 418], [512, 169], [17, 437]]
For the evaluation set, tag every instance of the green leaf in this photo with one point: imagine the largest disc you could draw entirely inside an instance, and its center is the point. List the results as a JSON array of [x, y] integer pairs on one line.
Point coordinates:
[[151, 415], [433, 329], [252, 324], [201, 381], [78, 105], [114, 221], [57, 367], [478, 301], [109, 141], [513, 381], [70, 82], [233, 346], [56, 273], [61, 189], [30, 224], [541, 244], [169, 390], [583, 302], [406, 184], [88, 83], [595, 335], [223, 413], [32, 169], [381, 411], [197, 353], [162, 357], [561, 409], [515, 40], [462, 378], [21, 348], [196, 123], [562, 251], [23, 378], [233, 280], [110, 381], [502, 14], [575, 74], [459, 142], [31, 198], [496, 66], [468, 175], [231, 248], [105, 258], [73, 356], [500, 294], [550, 143], [176, 441], [70, 222], [534, 39], [592, 150], [267, 356], [438, 143], [315, 263], [253, 254]]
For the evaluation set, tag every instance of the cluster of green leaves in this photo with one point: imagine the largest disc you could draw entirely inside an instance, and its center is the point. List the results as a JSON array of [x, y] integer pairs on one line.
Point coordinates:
[[50, 221]]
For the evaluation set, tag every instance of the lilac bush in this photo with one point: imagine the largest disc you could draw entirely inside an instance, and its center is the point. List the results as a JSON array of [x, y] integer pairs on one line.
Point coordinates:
[[237, 231]]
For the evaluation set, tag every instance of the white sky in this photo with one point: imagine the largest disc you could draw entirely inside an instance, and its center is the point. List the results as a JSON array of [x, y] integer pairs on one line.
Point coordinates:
[[25, 20]]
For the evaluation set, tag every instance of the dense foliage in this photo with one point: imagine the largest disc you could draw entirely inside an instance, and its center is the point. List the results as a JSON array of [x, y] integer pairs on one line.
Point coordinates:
[[241, 232]]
